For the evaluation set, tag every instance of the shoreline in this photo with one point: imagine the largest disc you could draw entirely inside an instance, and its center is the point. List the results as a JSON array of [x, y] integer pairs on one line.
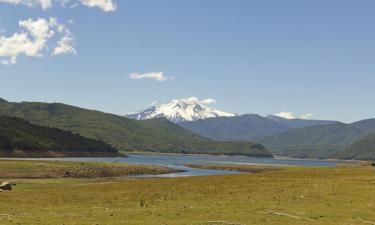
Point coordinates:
[[244, 156], [59, 154], [125, 154], [43, 169], [190, 154]]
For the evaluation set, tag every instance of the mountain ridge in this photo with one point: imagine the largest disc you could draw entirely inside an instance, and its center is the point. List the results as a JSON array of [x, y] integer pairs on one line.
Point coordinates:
[[299, 123], [363, 149], [246, 127], [320, 141]]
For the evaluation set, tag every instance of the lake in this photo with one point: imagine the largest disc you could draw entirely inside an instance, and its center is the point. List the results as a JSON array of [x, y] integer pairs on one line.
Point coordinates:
[[177, 161]]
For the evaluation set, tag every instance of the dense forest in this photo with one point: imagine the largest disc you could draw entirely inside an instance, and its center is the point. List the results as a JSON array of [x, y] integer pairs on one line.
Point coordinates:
[[19, 138], [338, 140], [361, 150]]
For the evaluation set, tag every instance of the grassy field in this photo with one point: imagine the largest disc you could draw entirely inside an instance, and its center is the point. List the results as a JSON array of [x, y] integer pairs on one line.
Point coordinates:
[[344, 195], [20, 169]]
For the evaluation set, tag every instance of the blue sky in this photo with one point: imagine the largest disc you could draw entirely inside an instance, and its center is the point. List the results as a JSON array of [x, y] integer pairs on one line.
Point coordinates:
[[250, 56]]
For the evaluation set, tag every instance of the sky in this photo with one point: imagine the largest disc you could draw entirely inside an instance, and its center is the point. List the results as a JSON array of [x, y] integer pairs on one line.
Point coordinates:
[[310, 58]]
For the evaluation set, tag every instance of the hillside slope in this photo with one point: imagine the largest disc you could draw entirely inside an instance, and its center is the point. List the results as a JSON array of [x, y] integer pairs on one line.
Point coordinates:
[[244, 128], [317, 141], [158, 135], [20, 138], [360, 150], [367, 126], [247, 127]]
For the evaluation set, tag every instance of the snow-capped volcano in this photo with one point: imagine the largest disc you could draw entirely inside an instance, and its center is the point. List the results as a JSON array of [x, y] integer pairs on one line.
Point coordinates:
[[180, 110]]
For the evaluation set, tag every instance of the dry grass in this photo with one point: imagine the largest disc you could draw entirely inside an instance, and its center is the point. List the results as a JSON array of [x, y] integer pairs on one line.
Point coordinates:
[[19, 169], [342, 196]]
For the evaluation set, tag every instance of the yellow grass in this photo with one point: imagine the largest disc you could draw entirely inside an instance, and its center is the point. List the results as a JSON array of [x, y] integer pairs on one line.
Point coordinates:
[[58, 169], [342, 196]]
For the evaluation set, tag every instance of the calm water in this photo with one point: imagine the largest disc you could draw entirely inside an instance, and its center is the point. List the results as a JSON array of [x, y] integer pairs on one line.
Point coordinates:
[[178, 161]]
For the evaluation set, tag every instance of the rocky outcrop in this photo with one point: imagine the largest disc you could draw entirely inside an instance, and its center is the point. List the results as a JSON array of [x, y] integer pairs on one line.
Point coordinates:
[[6, 186]]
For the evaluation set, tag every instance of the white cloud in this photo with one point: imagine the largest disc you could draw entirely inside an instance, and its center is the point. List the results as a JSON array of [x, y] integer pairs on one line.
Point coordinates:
[[158, 76], [291, 115], [208, 101], [66, 43], [286, 115], [33, 40], [306, 116], [44, 4], [105, 5], [195, 100]]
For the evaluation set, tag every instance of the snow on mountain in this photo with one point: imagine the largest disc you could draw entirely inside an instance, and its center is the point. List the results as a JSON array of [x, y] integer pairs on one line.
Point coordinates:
[[180, 110]]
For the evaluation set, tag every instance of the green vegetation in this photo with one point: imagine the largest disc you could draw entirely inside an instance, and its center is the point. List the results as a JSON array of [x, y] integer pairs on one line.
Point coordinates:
[[361, 150], [125, 134], [244, 128], [247, 127], [26, 169], [307, 152], [19, 138], [367, 126], [293, 196], [295, 138], [321, 141], [335, 134]]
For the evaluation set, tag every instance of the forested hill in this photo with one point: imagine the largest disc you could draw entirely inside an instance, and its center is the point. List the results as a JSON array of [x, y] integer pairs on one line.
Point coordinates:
[[339, 140], [361, 150], [19, 138], [248, 127], [158, 135]]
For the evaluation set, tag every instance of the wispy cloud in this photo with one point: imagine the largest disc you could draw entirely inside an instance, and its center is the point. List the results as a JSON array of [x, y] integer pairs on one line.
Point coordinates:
[[33, 39], [208, 101], [291, 115], [105, 5], [157, 76], [44, 4], [306, 116]]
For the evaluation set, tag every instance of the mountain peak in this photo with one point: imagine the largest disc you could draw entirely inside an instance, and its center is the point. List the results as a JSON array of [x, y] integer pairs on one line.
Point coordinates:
[[180, 110]]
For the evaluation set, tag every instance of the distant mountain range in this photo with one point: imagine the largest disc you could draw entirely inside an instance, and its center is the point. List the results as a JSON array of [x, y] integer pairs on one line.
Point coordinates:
[[298, 123], [180, 110], [297, 138], [197, 117], [155, 135], [247, 127], [301, 138], [321, 141]]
